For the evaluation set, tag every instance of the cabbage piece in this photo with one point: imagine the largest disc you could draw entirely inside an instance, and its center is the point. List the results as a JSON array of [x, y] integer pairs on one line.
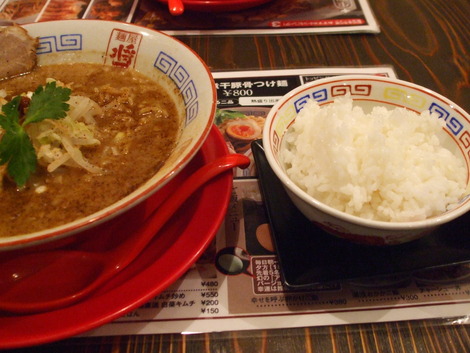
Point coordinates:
[[59, 142]]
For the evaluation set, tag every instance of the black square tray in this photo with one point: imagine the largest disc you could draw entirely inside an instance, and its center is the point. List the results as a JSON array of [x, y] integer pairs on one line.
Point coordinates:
[[309, 256]]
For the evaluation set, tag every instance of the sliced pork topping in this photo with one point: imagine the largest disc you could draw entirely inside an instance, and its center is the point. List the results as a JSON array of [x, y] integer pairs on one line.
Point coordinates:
[[18, 54]]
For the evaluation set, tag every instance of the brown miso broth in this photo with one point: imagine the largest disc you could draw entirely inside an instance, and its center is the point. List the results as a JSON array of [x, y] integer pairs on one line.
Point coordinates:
[[138, 130]]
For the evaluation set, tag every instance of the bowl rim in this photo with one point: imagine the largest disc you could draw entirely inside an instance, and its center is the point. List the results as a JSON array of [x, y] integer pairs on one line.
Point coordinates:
[[145, 190], [431, 222]]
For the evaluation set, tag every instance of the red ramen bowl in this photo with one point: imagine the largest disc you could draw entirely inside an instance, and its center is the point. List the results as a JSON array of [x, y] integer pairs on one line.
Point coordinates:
[[182, 73]]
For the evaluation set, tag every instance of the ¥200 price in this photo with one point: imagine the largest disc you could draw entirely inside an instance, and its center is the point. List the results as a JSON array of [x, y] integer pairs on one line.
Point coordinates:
[[210, 302]]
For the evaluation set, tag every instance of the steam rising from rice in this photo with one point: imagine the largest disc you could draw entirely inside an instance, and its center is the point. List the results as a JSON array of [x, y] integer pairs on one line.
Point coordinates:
[[388, 165]]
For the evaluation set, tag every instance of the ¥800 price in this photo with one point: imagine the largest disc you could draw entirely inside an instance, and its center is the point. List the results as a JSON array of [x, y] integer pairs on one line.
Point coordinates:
[[237, 92]]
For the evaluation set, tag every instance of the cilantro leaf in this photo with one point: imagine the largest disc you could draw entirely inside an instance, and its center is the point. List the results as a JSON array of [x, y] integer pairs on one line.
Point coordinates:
[[16, 148], [48, 103], [11, 114]]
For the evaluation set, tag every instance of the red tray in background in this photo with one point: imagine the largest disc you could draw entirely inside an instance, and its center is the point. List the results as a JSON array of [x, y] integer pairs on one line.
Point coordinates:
[[219, 5]]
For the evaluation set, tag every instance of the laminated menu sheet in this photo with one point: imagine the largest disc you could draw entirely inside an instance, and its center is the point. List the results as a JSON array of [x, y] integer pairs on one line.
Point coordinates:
[[271, 17], [27, 11], [239, 283]]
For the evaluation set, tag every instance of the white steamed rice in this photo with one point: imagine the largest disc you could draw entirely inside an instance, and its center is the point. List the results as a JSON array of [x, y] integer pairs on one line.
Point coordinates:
[[388, 165]]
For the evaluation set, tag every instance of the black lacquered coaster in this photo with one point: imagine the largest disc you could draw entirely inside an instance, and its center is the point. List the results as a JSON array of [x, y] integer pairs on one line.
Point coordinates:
[[309, 256]]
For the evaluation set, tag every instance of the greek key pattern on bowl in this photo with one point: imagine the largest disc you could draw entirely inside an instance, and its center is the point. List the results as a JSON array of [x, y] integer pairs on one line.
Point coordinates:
[[359, 89], [276, 143], [453, 124], [180, 76], [182, 79], [465, 140], [404, 97], [60, 43], [323, 94], [318, 95]]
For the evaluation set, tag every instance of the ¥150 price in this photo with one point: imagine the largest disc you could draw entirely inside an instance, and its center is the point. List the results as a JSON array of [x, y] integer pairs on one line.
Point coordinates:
[[209, 311]]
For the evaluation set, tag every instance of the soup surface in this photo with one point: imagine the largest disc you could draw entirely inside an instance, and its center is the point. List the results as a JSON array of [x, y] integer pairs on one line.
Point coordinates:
[[137, 128]]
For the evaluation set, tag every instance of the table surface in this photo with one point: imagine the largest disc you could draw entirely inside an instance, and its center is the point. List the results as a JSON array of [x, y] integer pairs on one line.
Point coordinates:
[[427, 42]]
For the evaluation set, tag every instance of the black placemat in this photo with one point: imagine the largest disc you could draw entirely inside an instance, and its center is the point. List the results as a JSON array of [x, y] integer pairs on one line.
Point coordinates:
[[309, 256]]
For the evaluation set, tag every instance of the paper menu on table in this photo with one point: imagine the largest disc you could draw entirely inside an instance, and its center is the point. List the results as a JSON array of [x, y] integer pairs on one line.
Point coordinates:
[[28, 11], [273, 17], [237, 284], [248, 293], [247, 96]]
